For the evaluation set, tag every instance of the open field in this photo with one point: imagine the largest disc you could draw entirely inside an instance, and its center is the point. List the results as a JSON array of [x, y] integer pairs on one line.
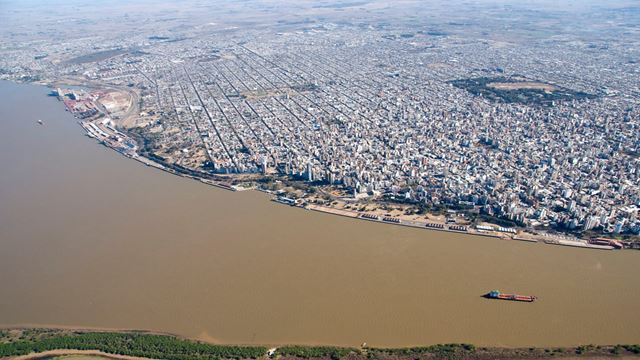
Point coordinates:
[[530, 85]]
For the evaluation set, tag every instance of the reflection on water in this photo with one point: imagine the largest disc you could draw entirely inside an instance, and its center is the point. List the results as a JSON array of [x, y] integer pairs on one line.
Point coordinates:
[[90, 238]]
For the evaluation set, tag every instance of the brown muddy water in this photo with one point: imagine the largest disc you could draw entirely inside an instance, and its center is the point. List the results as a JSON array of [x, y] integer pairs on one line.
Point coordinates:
[[89, 238]]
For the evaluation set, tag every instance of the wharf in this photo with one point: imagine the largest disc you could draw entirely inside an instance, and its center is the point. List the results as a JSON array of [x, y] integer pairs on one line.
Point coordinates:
[[578, 244]]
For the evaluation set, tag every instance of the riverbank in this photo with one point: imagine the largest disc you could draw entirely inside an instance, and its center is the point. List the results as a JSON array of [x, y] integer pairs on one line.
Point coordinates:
[[133, 248], [117, 135], [74, 354], [41, 343], [105, 134]]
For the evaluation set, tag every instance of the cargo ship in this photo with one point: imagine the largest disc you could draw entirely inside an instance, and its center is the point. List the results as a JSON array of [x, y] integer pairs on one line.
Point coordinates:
[[495, 294]]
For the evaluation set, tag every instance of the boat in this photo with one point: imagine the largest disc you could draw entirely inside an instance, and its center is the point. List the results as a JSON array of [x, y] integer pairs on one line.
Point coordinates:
[[606, 242], [40, 122], [496, 294], [285, 200]]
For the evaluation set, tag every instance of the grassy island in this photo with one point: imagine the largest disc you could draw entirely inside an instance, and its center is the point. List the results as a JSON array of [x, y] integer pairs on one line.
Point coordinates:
[[36, 343]]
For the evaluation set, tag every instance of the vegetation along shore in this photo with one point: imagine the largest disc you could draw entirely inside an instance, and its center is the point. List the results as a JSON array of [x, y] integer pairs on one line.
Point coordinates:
[[36, 343]]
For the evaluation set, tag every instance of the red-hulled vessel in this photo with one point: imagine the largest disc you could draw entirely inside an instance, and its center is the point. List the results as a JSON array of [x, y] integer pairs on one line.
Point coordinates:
[[496, 294]]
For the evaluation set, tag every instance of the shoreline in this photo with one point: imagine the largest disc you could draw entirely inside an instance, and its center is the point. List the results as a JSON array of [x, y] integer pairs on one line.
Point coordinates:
[[72, 353], [30, 343], [579, 243], [104, 134]]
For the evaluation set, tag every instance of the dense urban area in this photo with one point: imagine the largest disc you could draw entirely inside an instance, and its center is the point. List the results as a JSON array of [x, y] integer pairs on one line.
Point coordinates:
[[526, 127]]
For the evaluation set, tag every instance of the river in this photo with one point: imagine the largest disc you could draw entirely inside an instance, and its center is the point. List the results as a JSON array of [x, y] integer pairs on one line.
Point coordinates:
[[89, 238]]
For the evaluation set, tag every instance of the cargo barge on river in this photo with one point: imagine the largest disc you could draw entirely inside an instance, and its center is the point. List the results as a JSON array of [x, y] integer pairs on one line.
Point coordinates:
[[496, 294]]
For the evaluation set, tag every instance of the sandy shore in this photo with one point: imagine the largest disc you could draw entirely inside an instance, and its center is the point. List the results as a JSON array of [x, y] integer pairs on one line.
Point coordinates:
[[53, 353]]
